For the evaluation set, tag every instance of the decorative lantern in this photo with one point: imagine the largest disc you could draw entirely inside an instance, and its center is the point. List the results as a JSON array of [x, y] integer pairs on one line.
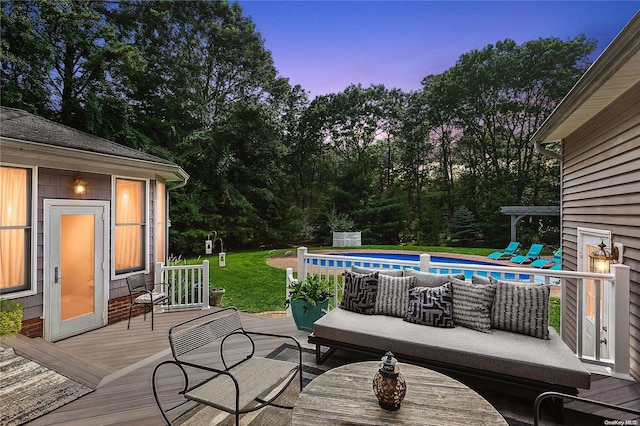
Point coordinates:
[[600, 260], [389, 385]]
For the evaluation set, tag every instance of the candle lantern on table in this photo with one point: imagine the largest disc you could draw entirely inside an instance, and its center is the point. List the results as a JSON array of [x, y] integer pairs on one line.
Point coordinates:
[[389, 385]]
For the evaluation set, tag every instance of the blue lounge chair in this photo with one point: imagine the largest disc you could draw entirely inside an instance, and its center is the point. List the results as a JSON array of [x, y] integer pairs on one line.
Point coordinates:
[[532, 254], [546, 264], [556, 267], [510, 251]]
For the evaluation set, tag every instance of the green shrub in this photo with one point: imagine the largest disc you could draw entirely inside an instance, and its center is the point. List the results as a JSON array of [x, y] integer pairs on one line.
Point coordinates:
[[10, 317], [554, 313]]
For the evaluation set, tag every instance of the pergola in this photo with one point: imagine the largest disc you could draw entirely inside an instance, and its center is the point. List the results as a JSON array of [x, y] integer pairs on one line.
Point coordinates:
[[518, 212]]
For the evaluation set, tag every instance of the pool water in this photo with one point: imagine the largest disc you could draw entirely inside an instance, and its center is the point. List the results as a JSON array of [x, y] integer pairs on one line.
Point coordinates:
[[416, 258]]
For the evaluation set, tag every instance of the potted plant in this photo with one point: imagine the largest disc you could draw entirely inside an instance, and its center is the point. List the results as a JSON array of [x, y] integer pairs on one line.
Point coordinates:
[[215, 295], [309, 300]]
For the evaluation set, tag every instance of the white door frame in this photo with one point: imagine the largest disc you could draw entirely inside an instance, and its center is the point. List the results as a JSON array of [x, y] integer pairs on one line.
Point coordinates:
[[49, 204]]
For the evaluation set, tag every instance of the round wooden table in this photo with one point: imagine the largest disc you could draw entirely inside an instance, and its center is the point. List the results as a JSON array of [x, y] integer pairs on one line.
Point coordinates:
[[344, 395]]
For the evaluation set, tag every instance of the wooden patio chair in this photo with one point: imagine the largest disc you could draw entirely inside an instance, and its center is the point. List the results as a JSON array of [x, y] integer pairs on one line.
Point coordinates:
[[237, 381], [144, 293]]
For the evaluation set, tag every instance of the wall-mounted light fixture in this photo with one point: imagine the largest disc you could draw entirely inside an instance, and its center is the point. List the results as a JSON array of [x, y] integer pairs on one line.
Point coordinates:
[[600, 260], [79, 186]]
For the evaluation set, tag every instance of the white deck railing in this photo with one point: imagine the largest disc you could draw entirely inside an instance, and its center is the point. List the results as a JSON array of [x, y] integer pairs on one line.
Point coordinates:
[[189, 285], [614, 298]]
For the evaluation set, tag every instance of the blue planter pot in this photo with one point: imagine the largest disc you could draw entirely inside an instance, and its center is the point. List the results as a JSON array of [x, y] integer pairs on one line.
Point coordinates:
[[305, 313]]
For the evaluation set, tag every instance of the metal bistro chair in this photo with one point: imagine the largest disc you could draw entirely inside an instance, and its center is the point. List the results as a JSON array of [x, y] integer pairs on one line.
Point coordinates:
[[149, 297], [236, 381]]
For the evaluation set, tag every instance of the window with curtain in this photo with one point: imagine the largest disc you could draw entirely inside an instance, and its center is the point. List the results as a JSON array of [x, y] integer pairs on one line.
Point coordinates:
[[130, 226], [161, 221], [15, 229]]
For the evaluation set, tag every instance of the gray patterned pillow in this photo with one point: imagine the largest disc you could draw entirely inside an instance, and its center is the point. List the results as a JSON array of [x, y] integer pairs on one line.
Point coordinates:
[[360, 292], [521, 308], [383, 271], [472, 304], [431, 306], [393, 295], [426, 279]]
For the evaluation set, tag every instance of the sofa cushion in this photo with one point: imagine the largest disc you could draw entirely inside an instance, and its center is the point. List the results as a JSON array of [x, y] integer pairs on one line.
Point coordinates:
[[426, 279], [382, 271], [472, 304], [431, 306], [501, 352], [521, 308], [360, 292], [393, 295]]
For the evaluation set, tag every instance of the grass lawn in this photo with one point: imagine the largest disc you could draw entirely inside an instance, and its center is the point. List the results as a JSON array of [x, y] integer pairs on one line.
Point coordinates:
[[253, 286]]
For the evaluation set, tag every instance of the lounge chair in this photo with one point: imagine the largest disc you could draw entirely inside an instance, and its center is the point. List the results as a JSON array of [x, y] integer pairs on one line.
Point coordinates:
[[532, 254], [509, 252], [556, 267], [546, 264]]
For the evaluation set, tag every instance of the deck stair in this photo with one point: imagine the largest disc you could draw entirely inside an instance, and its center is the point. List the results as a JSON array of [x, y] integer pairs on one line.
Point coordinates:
[[54, 357]]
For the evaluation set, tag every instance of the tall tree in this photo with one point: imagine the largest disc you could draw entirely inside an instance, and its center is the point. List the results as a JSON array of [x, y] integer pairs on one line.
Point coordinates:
[[497, 97]]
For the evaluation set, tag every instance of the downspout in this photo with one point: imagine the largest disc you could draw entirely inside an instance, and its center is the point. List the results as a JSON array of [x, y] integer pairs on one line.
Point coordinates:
[[544, 151]]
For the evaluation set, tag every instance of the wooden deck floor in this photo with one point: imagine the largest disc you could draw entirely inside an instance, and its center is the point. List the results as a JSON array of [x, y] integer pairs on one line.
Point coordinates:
[[118, 363]]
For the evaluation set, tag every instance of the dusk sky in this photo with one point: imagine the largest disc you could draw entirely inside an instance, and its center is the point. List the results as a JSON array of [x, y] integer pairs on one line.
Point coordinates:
[[326, 45]]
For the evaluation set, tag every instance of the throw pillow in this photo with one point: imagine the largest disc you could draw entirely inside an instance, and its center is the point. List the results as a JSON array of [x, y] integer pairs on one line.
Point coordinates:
[[426, 279], [360, 292], [472, 304], [521, 308], [431, 306], [389, 272], [479, 279], [393, 295]]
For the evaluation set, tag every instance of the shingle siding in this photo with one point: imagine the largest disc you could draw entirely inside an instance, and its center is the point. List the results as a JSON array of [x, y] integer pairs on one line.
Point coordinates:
[[601, 189]]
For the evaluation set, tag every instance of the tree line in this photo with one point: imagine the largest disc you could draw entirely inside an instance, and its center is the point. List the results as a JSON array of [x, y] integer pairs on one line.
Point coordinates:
[[194, 83]]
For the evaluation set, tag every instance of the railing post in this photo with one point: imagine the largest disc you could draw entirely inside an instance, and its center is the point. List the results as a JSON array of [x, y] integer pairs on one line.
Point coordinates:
[[289, 277], [425, 260], [158, 278], [302, 263], [622, 320], [205, 285]]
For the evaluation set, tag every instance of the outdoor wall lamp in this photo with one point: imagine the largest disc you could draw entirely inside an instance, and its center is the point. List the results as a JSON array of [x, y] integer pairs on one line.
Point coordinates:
[[600, 260], [79, 186]]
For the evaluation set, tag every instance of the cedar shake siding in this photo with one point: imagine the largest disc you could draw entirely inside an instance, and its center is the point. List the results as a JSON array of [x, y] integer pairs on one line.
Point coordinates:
[[601, 189]]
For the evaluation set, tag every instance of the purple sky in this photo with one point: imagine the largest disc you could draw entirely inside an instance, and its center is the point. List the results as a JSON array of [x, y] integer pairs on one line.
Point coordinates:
[[326, 45]]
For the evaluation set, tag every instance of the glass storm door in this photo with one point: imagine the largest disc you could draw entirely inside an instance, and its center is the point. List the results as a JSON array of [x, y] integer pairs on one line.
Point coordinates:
[[75, 267], [590, 239]]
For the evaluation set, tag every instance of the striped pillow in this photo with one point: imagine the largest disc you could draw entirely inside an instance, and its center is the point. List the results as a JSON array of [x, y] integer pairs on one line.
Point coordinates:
[[393, 295], [521, 308], [472, 304]]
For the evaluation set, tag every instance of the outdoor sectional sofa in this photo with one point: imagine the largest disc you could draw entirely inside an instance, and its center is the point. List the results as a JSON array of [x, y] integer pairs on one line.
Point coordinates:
[[537, 364]]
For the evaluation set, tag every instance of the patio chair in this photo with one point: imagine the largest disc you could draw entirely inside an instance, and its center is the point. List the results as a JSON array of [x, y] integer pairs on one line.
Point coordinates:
[[546, 264], [508, 252], [532, 254], [143, 293], [232, 382]]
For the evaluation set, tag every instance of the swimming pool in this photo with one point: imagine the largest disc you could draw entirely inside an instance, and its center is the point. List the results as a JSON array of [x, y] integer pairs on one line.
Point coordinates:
[[414, 258]]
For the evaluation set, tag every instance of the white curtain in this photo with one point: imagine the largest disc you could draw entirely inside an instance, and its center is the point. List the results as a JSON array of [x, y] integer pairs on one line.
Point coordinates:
[[13, 213], [160, 221], [129, 223]]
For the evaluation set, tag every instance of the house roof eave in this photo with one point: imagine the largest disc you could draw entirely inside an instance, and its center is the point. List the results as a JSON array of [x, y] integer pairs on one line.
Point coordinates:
[[43, 155], [614, 72]]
